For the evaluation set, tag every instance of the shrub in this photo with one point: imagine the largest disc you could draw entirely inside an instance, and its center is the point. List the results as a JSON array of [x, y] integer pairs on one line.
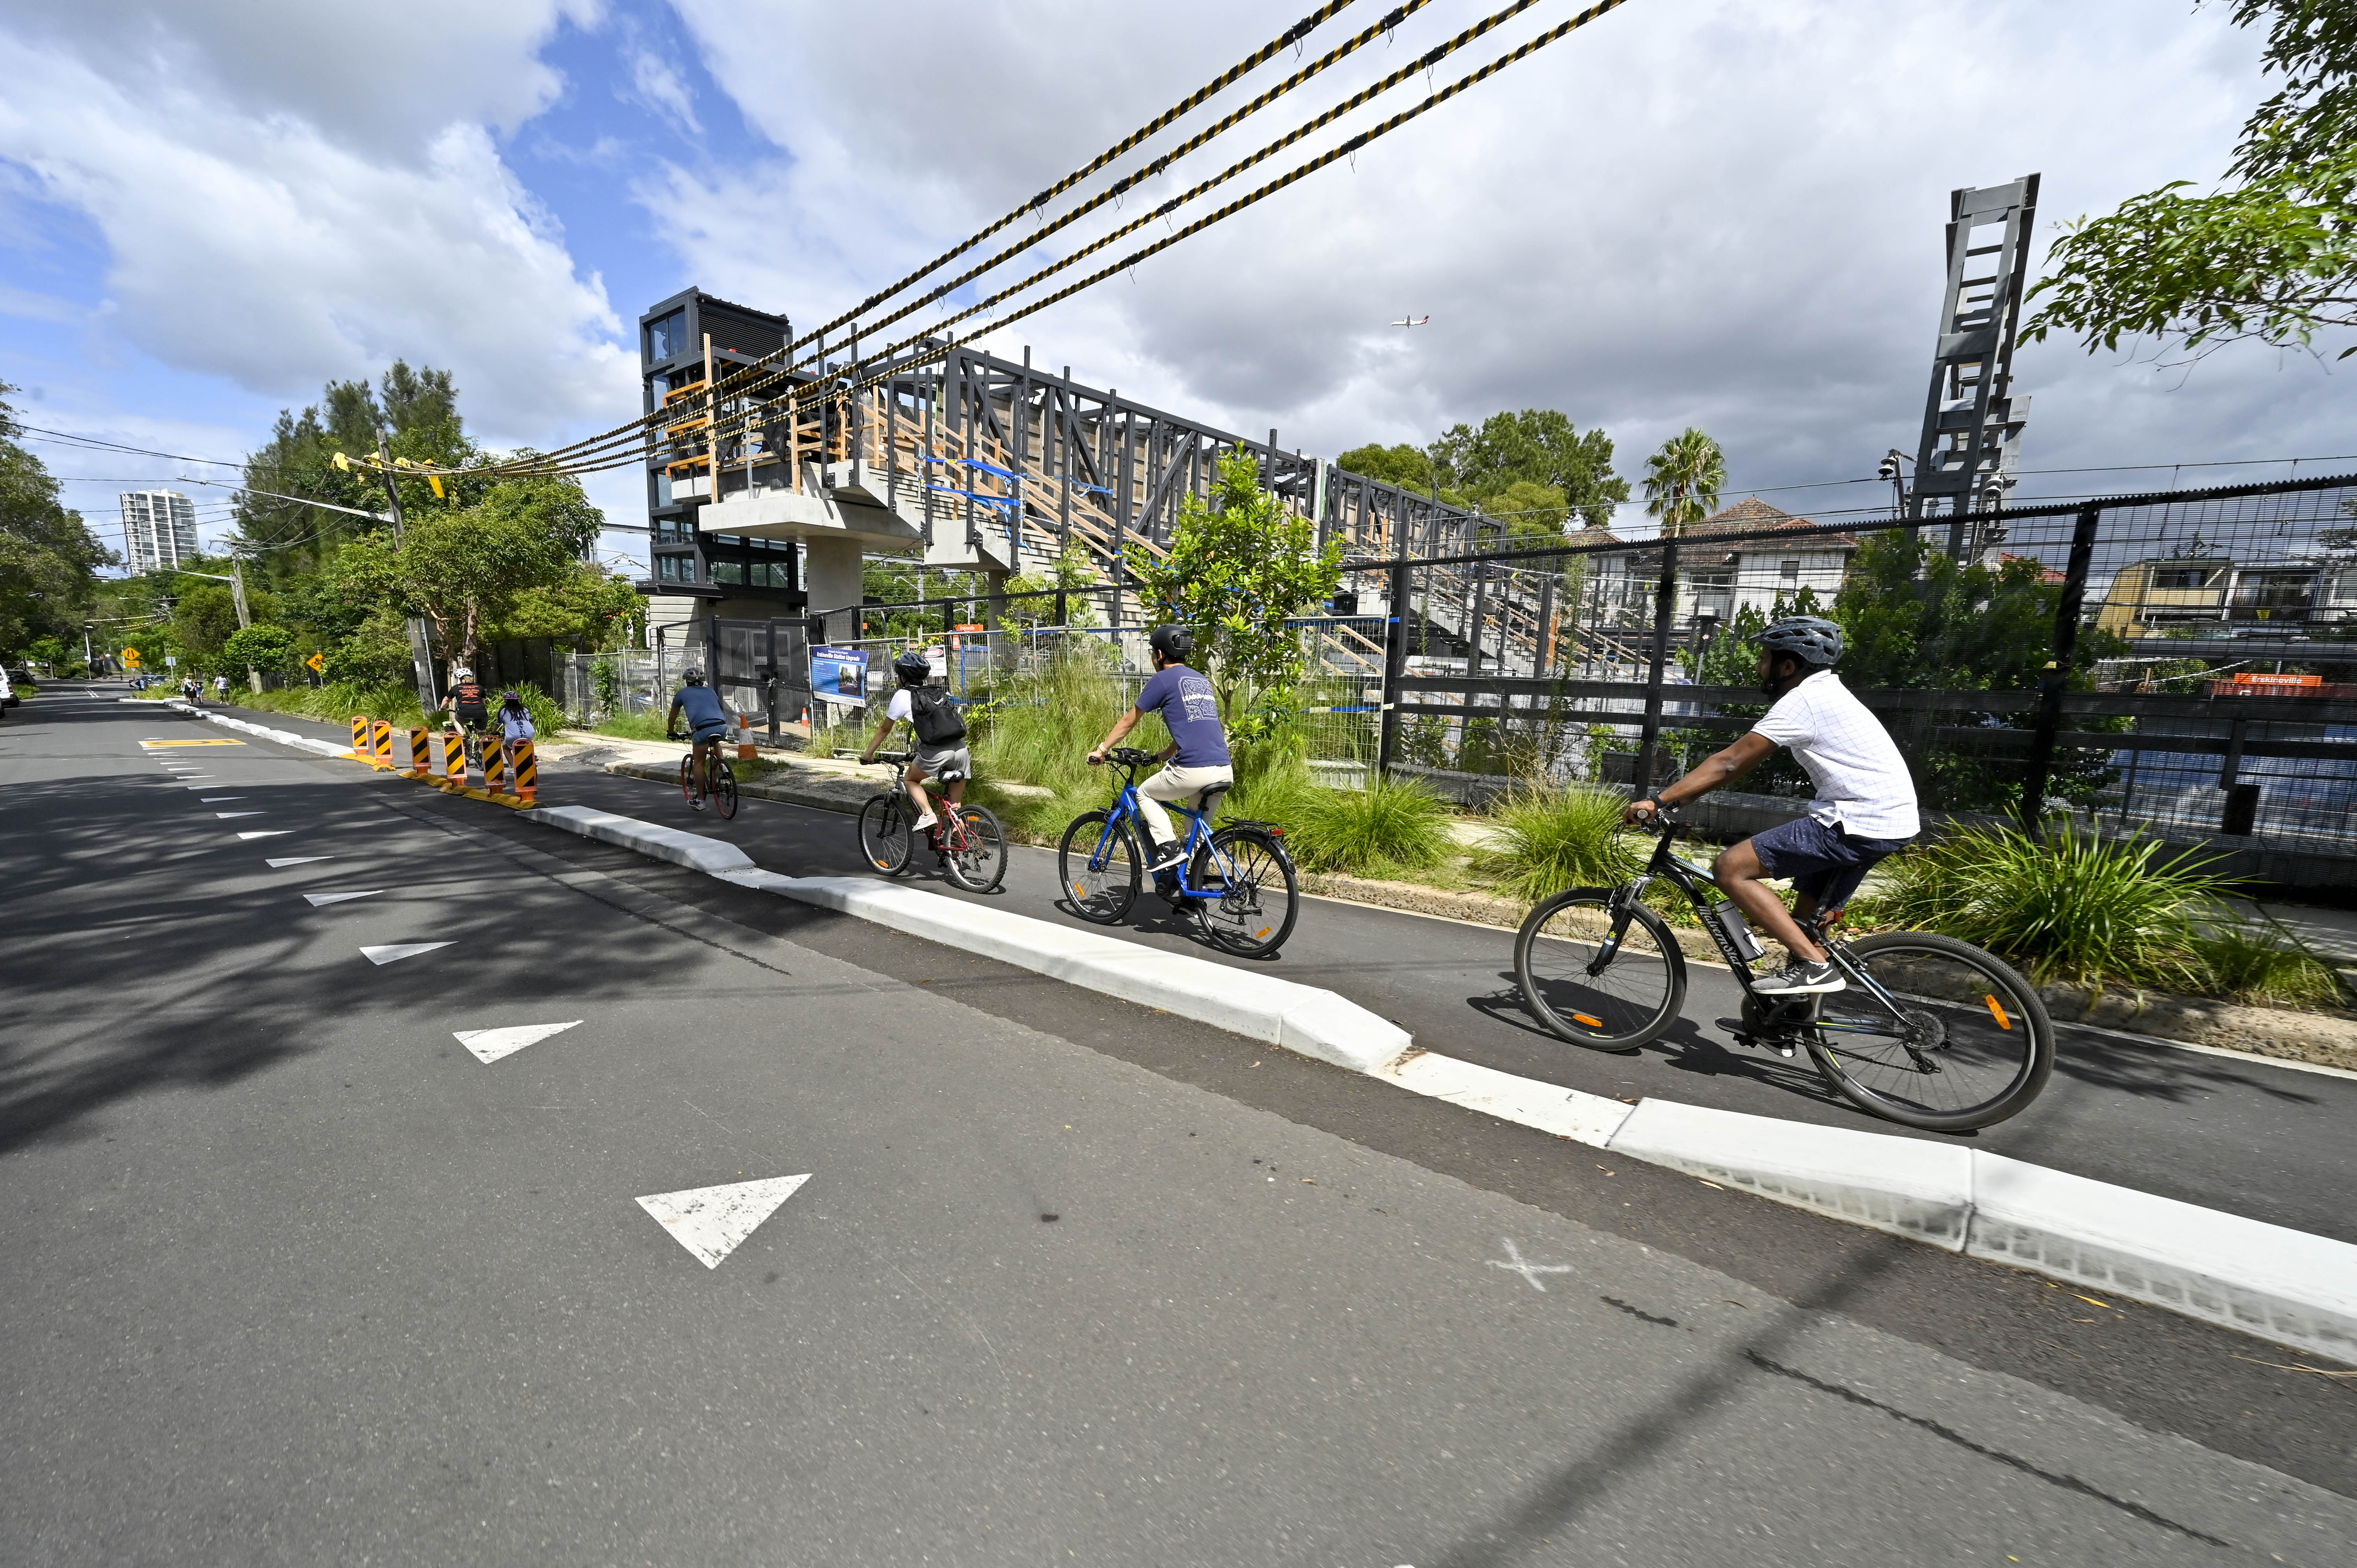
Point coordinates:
[[646, 723], [2244, 963], [1387, 826], [2070, 906], [1547, 840]]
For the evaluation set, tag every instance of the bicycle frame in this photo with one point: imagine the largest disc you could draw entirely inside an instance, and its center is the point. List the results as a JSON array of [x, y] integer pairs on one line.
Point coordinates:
[[1690, 879], [1125, 809]]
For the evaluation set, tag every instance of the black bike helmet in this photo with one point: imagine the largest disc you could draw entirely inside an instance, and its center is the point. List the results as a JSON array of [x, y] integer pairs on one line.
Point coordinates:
[[913, 668], [512, 698], [1172, 641], [1812, 639], [692, 675]]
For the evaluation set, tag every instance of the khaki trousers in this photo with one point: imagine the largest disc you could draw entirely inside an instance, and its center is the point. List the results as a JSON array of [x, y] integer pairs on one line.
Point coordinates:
[[1175, 783]]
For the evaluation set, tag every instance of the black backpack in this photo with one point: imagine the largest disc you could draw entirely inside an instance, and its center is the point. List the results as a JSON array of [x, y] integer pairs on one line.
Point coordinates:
[[935, 720]]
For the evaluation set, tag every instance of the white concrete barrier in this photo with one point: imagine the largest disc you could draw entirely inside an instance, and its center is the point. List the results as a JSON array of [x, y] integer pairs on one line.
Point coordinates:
[[694, 851]]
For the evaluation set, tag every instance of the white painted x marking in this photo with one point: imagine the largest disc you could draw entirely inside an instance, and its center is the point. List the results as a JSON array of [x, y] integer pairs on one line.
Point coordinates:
[[1530, 1272]]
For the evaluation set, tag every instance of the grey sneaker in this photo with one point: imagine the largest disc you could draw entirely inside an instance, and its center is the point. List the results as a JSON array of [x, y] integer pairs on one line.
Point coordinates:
[[1171, 858], [1800, 977]]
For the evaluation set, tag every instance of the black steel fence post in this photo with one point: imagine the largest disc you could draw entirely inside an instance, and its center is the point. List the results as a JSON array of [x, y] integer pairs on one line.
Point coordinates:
[[1665, 603], [2058, 670], [1394, 665]]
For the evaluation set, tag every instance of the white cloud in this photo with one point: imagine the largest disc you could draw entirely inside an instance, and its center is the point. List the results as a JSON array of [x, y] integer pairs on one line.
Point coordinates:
[[1712, 212], [657, 84], [251, 245]]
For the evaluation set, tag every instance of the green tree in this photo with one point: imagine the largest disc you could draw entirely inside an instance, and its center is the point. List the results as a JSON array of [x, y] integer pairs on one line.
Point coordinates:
[[1538, 447], [1241, 566], [48, 557], [1682, 481], [204, 620], [466, 569], [1403, 466], [260, 647], [2273, 258]]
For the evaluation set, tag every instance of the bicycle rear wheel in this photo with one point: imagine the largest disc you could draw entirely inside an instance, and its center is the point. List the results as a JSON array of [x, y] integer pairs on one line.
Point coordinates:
[[884, 833], [1970, 1044], [1590, 986], [686, 777], [974, 847], [1098, 869], [1255, 895], [723, 787]]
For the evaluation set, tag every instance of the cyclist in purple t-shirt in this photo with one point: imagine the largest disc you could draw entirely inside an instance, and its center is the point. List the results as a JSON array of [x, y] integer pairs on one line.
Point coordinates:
[[1198, 752]]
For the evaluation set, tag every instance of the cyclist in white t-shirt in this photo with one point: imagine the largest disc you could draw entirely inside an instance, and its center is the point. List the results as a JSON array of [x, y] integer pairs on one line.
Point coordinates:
[[1864, 807]]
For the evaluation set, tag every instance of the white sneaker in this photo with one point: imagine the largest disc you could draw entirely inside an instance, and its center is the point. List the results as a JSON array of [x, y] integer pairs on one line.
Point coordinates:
[[1171, 859], [922, 823]]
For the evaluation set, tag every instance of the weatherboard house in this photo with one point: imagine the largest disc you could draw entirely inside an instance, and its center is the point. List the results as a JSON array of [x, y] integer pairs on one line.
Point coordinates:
[[1721, 569]]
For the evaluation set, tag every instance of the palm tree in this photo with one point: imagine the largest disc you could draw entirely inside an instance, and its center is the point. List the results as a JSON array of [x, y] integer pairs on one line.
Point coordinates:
[[1682, 481]]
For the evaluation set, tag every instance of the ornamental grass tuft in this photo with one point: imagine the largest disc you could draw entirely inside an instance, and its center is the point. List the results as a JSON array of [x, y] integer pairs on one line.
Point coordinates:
[[1388, 826], [2069, 906], [1548, 840]]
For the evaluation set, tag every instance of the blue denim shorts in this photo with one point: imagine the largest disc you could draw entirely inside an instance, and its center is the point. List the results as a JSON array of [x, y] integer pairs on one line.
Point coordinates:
[[1821, 858]]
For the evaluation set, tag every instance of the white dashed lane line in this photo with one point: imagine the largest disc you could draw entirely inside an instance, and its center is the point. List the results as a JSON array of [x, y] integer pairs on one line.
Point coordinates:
[[317, 899], [395, 952], [713, 1221], [297, 860], [490, 1045]]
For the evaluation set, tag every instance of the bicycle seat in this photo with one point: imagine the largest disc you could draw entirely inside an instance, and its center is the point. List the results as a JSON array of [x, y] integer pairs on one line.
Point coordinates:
[[1209, 801]]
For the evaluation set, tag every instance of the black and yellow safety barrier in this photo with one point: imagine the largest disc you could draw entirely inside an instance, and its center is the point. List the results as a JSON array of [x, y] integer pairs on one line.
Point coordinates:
[[420, 766], [359, 737], [495, 769], [527, 771], [454, 758], [380, 746]]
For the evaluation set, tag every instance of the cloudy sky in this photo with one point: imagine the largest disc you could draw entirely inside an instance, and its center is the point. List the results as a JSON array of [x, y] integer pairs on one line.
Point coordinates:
[[1716, 212]]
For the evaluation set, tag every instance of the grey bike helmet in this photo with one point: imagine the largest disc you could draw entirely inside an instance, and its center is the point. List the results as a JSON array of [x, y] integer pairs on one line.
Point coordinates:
[[1812, 639], [692, 675], [1172, 641], [913, 668]]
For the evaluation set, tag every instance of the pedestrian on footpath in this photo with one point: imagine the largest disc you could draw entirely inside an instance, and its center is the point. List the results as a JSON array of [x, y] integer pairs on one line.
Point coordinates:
[[221, 687]]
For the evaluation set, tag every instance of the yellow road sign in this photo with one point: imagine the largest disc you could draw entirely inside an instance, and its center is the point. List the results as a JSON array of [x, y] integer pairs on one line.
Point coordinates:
[[131, 658], [318, 661]]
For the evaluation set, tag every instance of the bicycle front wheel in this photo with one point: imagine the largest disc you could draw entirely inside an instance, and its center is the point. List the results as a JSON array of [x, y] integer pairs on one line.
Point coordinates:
[[975, 847], [1968, 1045], [723, 787], [687, 778], [884, 833], [1595, 977], [1098, 869], [1254, 895]]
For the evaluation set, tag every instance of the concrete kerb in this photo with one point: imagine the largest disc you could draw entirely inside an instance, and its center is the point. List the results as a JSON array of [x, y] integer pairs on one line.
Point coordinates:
[[2281, 1285]]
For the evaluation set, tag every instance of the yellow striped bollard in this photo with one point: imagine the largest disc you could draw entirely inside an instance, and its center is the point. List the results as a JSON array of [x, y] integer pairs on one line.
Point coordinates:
[[527, 771], [359, 737], [419, 767], [454, 758], [380, 732], [495, 769]]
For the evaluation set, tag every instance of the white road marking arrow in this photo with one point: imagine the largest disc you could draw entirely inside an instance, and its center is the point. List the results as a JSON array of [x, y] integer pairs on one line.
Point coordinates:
[[399, 950], [491, 1045], [216, 800], [713, 1221], [297, 860], [267, 833], [318, 898], [226, 815]]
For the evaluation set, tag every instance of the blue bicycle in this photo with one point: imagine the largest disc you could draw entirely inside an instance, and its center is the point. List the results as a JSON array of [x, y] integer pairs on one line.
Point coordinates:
[[1237, 878]]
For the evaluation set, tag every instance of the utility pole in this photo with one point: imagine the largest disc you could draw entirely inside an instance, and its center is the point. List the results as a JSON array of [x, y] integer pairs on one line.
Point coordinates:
[[420, 655]]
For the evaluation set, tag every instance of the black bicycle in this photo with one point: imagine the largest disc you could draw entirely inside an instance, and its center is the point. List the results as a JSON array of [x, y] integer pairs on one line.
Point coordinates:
[[719, 779], [970, 844], [1930, 1032]]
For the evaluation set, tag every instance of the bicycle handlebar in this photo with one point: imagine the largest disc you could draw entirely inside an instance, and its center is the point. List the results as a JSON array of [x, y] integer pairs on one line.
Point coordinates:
[[883, 757], [1129, 757]]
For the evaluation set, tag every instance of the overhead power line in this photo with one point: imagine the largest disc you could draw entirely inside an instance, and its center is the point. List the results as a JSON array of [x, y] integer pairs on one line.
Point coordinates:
[[143, 451]]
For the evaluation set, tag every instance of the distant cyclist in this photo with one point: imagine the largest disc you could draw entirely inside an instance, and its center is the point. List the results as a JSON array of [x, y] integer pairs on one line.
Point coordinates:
[[469, 702], [515, 724], [1864, 807], [708, 723], [1198, 752], [933, 719]]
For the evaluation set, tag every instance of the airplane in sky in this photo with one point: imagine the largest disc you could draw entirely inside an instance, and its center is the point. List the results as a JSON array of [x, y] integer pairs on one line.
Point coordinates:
[[1413, 321]]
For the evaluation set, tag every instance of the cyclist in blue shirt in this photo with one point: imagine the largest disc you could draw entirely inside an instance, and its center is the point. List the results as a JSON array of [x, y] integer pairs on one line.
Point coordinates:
[[1198, 752], [708, 721]]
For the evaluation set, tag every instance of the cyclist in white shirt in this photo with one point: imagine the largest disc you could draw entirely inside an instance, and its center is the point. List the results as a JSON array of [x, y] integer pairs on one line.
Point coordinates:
[[1864, 807]]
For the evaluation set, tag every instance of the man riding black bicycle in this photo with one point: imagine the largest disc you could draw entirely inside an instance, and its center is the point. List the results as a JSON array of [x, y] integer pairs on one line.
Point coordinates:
[[707, 724], [1865, 806], [469, 702], [1198, 753]]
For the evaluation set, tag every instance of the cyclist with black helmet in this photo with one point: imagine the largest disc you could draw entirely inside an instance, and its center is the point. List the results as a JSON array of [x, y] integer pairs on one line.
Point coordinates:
[[1197, 756], [708, 723], [1863, 809], [940, 749]]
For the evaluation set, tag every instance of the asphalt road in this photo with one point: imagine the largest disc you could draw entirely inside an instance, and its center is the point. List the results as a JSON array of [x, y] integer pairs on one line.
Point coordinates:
[[296, 1278]]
